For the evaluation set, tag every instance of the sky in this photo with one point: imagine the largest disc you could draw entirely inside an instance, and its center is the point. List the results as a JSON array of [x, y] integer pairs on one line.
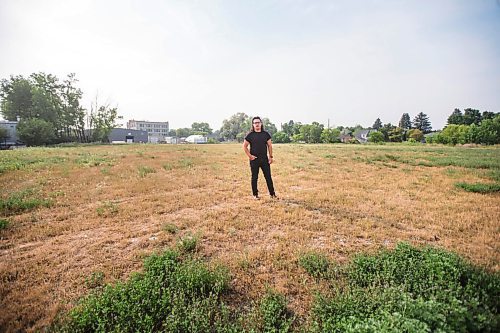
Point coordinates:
[[342, 62]]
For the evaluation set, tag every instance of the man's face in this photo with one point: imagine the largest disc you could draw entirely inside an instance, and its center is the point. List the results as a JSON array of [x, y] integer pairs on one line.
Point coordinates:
[[257, 124]]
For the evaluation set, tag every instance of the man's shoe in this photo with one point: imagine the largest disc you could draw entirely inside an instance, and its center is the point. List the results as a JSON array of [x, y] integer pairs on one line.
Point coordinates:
[[256, 197], [273, 196]]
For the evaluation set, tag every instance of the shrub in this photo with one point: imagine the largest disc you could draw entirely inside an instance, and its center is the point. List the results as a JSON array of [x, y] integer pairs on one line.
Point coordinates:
[[416, 134], [145, 170], [108, 208], [4, 224], [171, 295], [316, 264], [170, 228], [36, 132], [273, 314], [411, 290], [168, 166], [188, 243], [376, 137], [453, 134], [186, 163], [95, 280]]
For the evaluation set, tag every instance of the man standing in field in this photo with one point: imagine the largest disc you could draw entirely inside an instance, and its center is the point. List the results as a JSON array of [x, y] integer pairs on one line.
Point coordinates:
[[260, 142]]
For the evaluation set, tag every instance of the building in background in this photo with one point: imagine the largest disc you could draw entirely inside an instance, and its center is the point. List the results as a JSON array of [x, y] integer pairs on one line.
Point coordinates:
[[124, 135], [12, 140], [196, 139], [157, 131]]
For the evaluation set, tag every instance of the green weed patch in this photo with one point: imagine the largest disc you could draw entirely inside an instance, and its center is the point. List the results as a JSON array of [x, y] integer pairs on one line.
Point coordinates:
[[411, 290], [404, 290], [4, 224], [145, 170], [479, 187], [22, 201]]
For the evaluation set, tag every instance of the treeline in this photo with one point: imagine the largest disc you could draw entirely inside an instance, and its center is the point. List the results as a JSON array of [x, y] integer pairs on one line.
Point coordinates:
[[236, 127], [407, 130], [49, 110], [471, 126]]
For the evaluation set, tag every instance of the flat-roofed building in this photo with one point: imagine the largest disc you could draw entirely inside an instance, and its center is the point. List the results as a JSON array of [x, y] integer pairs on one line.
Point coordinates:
[[155, 129], [124, 135]]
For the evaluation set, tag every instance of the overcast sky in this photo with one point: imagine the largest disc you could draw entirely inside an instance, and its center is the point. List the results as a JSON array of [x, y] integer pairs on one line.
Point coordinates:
[[186, 61]]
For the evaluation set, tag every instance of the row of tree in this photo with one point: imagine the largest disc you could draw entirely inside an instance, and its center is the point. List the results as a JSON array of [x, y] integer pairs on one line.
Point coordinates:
[[420, 122], [471, 126], [49, 110], [469, 117]]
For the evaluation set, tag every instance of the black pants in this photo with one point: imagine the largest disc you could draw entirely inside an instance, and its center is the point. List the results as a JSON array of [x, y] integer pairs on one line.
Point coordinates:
[[263, 163]]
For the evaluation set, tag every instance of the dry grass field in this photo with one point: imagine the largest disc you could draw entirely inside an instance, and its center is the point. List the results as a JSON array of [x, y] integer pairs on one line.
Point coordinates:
[[74, 213]]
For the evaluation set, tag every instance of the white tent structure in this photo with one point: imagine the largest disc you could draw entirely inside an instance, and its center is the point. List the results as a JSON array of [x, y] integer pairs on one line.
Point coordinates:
[[196, 139]]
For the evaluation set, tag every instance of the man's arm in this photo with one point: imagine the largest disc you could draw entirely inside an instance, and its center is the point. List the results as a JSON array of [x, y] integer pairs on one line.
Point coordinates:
[[245, 149], [270, 149]]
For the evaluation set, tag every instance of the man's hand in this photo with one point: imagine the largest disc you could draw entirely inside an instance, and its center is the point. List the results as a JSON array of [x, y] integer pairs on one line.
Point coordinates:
[[270, 160], [252, 157]]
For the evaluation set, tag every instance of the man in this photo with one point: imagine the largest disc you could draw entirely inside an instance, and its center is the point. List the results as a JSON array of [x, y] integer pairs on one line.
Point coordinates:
[[260, 142]]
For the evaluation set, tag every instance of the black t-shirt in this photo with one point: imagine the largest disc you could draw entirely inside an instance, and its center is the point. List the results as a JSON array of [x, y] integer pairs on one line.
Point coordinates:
[[258, 142]]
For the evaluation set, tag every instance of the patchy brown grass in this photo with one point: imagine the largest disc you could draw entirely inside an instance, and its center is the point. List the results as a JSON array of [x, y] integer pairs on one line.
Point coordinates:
[[110, 206]]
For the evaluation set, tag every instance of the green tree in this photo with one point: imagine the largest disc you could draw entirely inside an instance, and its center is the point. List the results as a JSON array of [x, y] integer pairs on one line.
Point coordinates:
[[236, 124], [396, 134], [16, 97], [73, 114], [281, 137], [101, 120], [312, 132], [355, 129], [488, 115], [330, 135], [36, 132], [376, 137], [421, 122], [183, 132], [471, 116], [46, 99], [456, 117], [201, 128], [416, 134], [386, 129], [291, 128], [488, 132], [377, 124], [454, 134], [269, 126], [405, 122]]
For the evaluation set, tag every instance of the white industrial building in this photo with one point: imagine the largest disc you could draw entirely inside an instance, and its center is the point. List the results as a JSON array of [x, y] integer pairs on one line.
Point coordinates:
[[157, 130]]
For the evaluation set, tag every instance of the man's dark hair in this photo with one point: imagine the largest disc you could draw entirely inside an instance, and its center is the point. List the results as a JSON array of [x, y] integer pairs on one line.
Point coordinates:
[[261, 126]]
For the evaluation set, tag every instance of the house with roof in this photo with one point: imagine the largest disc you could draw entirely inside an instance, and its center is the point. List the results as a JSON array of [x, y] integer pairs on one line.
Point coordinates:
[[363, 135]]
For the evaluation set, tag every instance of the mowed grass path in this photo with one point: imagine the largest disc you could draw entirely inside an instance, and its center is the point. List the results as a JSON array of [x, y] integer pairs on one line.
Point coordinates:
[[79, 212]]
